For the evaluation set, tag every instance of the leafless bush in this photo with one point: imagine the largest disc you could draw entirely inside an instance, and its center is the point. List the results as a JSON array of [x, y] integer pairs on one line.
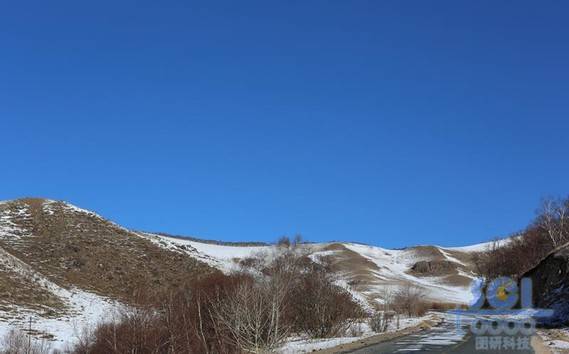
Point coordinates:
[[553, 219], [17, 342], [380, 320], [409, 300], [444, 306], [387, 296], [180, 322], [286, 242], [355, 330], [549, 230], [243, 312], [84, 338], [321, 309], [133, 331], [311, 303], [253, 315], [251, 263]]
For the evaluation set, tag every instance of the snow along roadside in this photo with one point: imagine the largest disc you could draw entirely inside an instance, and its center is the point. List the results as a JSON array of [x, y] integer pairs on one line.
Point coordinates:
[[339, 344]]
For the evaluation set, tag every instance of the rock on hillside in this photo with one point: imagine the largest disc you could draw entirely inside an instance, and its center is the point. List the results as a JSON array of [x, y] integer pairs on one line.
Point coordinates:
[[551, 285]]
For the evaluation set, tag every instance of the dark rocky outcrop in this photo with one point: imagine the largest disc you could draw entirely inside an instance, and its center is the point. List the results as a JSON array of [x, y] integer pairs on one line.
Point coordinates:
[[433, 267], [551, 286]]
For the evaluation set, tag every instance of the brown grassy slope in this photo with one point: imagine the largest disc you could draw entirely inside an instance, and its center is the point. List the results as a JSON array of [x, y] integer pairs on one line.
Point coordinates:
[[20, 291], [77, 248], [427, 261], [432, 262]]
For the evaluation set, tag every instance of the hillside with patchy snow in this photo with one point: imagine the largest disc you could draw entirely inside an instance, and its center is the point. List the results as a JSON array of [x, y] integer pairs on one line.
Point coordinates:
[[366, 270], [63, 268]]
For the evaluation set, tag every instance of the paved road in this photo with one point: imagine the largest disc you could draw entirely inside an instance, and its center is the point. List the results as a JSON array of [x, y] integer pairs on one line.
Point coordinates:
[[442, 339]]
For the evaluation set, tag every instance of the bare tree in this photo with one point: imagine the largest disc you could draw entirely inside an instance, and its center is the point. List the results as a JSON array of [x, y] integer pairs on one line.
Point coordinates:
[[16, 342], [553, 218], [380, 321], [248, 311], [387, 294], [252, 316]]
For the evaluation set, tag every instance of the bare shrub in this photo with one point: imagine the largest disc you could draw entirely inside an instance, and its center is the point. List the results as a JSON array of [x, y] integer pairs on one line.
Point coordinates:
[[250, 263], [252, 315], [243, 312], [286, 242], [84, 337], [549, 230], [355, 330], [387, 296], [444, 306], [553, 219], [409, 300], [134, 331], [321, 309], [180, 322], [17, 342], [311, 303], [380, 320]]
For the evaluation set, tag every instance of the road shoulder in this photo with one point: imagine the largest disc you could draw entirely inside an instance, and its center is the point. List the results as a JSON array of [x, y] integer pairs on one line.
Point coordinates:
[[366, 342], [539, 345], [555, 340]]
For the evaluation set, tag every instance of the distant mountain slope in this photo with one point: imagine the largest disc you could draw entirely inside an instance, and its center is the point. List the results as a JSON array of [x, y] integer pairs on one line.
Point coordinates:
[[445, 274]]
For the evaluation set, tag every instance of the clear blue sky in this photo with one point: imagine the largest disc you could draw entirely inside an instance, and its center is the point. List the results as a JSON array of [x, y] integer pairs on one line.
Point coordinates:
[[387, 122]]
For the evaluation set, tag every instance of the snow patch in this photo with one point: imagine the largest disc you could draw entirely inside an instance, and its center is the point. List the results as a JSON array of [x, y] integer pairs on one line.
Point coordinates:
[[222, 257], [480, 247], [84, 309], [8, 228], [303, 345], [394, 268]]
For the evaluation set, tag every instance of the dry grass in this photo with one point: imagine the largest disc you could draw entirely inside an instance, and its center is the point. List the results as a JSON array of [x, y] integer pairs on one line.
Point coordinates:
[[360, 270], [25, 292], [78, 249], [233, 314]]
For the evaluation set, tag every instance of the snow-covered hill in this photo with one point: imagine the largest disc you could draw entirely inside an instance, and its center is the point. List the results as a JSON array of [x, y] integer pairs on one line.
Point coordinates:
[[67, 268], [369, 270], [82, 309], [64, 269]]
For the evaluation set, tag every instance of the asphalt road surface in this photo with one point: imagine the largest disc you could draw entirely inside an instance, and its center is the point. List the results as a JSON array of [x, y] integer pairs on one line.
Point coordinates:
[[445, 338]]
